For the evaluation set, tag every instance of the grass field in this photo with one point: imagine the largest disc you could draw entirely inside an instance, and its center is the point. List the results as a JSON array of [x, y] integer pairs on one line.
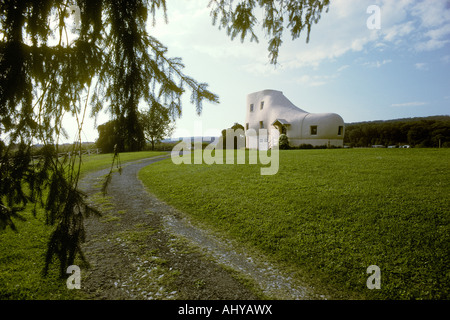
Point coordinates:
[[22, 253], [330, 214]]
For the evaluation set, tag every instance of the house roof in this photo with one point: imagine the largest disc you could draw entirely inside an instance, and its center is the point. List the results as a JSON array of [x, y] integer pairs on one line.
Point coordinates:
[[281, 121]]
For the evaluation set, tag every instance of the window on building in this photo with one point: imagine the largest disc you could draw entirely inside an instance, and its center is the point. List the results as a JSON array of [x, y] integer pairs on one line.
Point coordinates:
[[340, 130], [262, 105], [246, 126], [313, 130], [251, 107], [261, 125]]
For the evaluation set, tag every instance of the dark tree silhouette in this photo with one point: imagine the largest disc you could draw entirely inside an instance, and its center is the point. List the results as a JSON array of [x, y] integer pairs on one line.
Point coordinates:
[[241, 19], [108, 136], [51, 66], [235, 127]]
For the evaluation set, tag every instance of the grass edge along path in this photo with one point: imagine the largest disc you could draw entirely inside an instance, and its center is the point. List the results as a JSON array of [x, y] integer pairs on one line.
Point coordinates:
[[22, 253], [330, 214]]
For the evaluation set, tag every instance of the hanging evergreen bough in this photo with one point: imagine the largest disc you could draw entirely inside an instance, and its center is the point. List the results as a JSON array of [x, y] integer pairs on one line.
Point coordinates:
[[49, 68], [53, 64]]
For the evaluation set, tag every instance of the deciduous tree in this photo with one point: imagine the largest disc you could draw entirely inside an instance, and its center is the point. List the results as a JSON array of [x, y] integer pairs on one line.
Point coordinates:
[[156, 123]]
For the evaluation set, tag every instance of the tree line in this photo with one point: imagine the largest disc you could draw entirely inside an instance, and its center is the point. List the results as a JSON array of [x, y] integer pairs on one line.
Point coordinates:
[[428, 132]]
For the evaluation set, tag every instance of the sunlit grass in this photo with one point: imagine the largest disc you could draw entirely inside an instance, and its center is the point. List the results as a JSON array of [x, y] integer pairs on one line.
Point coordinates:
[[22, 253], [331, 214], [103, 161]]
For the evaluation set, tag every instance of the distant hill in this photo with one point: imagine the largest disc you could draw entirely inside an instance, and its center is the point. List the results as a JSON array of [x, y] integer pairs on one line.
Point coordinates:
[[204, 139], [433, 131], [434, 118]]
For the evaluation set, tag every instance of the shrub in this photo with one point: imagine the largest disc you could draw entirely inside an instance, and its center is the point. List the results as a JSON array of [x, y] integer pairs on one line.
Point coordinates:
[[283, 142]]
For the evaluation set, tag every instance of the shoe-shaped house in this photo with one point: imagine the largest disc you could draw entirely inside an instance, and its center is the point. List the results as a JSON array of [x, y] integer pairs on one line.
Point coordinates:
[[271, 110]]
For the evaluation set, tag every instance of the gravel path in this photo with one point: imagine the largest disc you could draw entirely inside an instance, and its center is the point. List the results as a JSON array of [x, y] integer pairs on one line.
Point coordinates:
[[142, 248]]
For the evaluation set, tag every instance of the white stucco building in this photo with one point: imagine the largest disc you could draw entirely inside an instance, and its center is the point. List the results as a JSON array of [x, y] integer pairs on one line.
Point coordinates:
[[271, 110]]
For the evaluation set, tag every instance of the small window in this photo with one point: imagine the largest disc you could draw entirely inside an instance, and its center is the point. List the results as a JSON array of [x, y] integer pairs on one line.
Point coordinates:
[[313, 130], [340, 129], [261, 125], [251, 107], [246, 126], [262, 105]]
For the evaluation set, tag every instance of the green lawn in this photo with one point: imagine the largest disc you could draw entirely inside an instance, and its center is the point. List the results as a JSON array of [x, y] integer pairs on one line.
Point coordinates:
[[330, 214], [22, 253], [103, 161]]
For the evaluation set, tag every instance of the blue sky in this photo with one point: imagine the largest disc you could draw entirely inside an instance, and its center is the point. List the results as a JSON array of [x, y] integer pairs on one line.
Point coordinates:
[[398, 71]]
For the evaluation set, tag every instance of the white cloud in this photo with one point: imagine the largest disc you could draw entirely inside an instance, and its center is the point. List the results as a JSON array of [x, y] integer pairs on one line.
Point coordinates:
[[316, 80], [410, 104], [343, 30], [380, 45], [397, 31], [377, 64], [421, 66], [422, 25], [394, 12], [435, 38], [260, 67], [432, 13], [342, 68], [434, 19], [430, 45]]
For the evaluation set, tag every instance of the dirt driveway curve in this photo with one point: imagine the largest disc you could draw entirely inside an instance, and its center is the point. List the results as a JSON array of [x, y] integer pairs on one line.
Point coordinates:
[[142, 248]]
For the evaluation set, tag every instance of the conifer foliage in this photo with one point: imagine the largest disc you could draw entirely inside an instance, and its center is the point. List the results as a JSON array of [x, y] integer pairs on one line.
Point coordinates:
[[64, 57], [240, 18], [50, 67]]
